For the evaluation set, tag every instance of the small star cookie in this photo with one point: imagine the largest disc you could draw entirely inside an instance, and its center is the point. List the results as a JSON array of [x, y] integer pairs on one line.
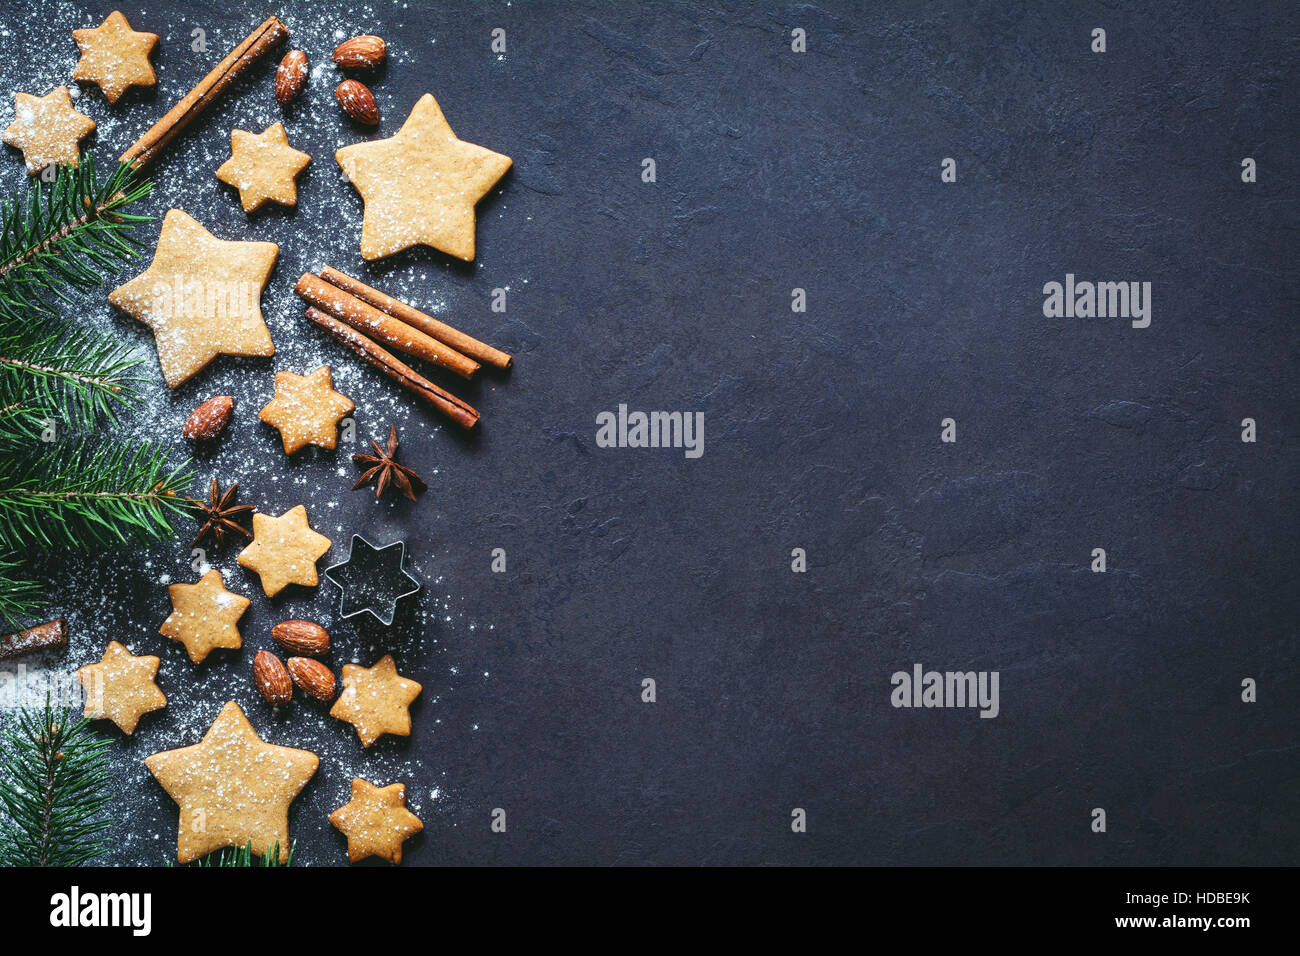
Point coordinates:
[[47, 129], [201, 296], [205, 616], [115, 57], [233, 788], [420, 186], [376, 821], [284, 550], [121, 687], [306, 409], [376, 700], [263, 167]]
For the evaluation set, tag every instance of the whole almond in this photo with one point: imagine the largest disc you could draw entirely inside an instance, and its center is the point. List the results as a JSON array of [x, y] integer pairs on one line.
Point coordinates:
[[272, 679], [361, 53], [356, 100], [313, 677], [290, 76], [209, 419], [301, 637]]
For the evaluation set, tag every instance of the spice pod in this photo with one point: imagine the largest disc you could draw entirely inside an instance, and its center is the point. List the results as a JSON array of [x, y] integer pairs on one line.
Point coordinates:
[[372, 579]]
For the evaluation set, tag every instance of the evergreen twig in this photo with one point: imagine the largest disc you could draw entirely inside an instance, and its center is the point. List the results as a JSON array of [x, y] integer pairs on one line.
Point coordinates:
[[90, 494], [51, 372], [19, 594], [77, 492], [53, 785], [64, 234], [244, 856]]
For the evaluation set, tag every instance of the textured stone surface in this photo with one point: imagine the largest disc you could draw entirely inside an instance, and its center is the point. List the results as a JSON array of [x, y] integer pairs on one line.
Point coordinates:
[[776, 171]]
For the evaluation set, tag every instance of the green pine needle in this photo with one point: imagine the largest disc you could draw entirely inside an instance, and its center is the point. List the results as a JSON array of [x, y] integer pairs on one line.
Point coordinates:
[[65, 233], [244, 856], [90, 494], [62, 235], [52, 372], [19, 594], [77, 492], [53, 785], [22, 416]]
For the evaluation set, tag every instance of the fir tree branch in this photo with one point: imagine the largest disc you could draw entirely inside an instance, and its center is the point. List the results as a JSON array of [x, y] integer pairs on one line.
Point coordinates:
[[92, 494], [53, 785], [19, 595], [79, 494], [21, 417], [58, 237], [68, 374], [244, 856], [61, 234]]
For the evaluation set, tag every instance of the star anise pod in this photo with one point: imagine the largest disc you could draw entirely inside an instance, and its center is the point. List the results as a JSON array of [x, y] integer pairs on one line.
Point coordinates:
[[219, 515], [385, 471]]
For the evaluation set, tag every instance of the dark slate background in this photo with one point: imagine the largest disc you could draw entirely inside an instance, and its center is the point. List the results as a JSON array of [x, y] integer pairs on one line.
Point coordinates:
[[776, 171]]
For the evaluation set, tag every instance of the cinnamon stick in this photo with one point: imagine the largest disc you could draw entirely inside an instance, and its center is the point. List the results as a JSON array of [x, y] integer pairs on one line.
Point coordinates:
[[425, 323], [256, 45], [375, 354], [28, 641], [366, 318]]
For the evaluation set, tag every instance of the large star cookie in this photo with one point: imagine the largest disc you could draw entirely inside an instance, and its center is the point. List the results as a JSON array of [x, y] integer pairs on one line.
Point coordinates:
[[306, 409], [47, 129], [121, 687], [205, 616], [284, 550], [201, 296], [376, 821], [376, 700], [421, 185], [115, 57], [263, 167], [233, 788]]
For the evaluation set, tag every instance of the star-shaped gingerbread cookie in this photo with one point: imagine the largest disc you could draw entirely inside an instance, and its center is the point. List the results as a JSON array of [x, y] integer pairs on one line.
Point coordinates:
[[263, 167], [201, 296], [284, 550], [233, 788], [376, 821], [115, 57], [47, 129], [306, 409], [121, 687], [376, 700], [421, 185], [205, 616]]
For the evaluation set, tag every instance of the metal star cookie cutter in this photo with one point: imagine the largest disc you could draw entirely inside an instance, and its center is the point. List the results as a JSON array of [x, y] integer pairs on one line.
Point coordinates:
[[372, 579]]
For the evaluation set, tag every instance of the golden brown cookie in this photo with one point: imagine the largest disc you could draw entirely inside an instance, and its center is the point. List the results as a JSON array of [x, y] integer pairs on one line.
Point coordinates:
[[201, 296], [284, 550], [421, 185], [376, 700], [376, 821], [263, 167], [114, 57], [233, 788], [47, 129], [121, 687], [306, 409], [205, 616]]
